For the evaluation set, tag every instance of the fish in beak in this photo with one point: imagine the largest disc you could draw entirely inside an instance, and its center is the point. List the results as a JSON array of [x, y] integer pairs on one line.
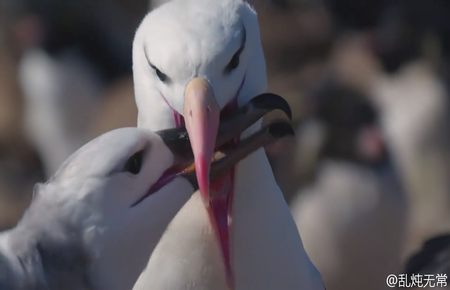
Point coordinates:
[[208, 132]]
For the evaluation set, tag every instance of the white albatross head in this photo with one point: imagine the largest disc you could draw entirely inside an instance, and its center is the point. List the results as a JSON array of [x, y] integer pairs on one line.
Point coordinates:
[[217, 41], [192, 59], [110, 198]]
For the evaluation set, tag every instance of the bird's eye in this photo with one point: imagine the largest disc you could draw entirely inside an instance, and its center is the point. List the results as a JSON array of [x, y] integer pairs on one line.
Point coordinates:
[[162, 76], [234, 63], [134, 163]]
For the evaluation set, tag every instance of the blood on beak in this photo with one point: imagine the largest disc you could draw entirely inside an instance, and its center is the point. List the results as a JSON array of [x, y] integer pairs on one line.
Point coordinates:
[[201, 115]]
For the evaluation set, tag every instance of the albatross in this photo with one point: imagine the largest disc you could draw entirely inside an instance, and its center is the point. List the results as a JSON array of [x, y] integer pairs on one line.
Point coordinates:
[[94, 224], [196, 62]]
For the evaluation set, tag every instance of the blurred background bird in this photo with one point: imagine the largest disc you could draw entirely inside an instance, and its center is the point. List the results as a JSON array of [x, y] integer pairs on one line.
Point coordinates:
[[65, 76], [353, 210]]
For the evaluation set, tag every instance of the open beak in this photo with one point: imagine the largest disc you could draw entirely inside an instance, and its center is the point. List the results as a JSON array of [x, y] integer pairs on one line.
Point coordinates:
[[225, 160], [202, 116], [179, 143]]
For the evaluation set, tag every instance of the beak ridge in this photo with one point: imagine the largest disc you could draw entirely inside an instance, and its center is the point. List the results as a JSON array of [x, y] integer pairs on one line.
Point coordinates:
[[202, 115]]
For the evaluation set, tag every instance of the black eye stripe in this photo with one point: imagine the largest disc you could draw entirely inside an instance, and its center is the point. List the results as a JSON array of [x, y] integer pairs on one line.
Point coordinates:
[[161, 76], [234, 61]]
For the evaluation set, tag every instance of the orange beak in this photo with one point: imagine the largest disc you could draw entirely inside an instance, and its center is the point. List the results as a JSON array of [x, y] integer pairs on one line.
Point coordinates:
[[202, 117], [201, 114]]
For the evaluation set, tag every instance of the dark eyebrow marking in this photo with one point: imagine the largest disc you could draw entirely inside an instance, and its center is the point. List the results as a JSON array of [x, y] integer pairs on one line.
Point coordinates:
[[146, 57], [234, 61], [162, 76], [243, 41]]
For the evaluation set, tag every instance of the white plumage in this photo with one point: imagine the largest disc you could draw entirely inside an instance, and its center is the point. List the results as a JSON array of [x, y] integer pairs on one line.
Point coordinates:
[[353, 223], [82, 230], [190, 39], [414, 110]]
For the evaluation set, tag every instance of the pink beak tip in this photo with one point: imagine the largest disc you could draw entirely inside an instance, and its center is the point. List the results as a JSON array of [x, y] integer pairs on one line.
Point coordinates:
[[202, 169]]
